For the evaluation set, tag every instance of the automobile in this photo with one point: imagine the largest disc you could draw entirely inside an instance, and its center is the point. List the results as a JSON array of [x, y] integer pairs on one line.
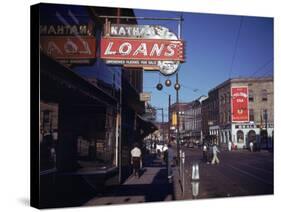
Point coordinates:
[[190, 145]]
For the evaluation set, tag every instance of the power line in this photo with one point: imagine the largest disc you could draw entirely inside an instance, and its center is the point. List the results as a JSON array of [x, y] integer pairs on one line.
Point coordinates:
[[235, 46], [266, 73], [262, 67]]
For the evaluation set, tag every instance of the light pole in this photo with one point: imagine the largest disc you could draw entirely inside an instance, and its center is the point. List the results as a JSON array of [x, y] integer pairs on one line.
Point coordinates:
[[177, 87]]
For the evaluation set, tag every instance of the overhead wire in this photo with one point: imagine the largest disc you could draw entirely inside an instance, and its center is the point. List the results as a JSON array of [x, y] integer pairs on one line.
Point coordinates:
[[235, 47]]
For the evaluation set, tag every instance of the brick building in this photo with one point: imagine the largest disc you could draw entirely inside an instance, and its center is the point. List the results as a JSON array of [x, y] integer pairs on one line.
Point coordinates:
[[217, 116]]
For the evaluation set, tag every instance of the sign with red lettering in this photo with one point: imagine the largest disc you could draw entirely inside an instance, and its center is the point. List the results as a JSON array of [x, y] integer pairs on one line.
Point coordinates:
[[239, 104], [145, 47], [141, 49], [69, 47]]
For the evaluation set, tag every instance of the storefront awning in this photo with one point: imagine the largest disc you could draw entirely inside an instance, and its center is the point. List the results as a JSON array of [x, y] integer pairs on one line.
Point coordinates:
[[59, 82], [146, 127]]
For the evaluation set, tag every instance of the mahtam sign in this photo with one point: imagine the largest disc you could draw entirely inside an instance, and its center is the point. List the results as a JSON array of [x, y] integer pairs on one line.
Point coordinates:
[[149, 47]]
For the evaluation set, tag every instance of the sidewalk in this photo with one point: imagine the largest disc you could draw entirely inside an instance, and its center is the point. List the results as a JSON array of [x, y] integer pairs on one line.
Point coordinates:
[[152, 186]]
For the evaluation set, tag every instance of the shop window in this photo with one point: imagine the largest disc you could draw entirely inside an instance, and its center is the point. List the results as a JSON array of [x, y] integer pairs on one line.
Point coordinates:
[[96, 144], [240, 136], [48, 135], [264, 95], [251, 96]]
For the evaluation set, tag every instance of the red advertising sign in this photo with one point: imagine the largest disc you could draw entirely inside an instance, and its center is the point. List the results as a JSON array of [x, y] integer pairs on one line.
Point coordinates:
[[69, 47], [239, 104], [141, 49]]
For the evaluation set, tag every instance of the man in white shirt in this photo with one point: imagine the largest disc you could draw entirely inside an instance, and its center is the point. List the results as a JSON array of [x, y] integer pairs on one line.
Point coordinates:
[[136, 160], [215, 155]]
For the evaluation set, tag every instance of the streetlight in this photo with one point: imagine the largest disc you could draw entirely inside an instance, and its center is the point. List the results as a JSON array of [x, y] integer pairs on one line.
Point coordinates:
[[177, 88]]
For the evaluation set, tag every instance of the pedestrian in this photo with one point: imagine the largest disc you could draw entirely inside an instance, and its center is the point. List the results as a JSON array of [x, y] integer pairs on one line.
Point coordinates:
[[251, 146], [170, 158], [209, 153], [205, 149], [215, 154], [136, 160], [165, 153]]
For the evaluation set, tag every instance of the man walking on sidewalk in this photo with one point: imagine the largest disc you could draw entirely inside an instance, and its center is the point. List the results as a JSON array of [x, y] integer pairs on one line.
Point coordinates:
[[136, 160], [215, 156]]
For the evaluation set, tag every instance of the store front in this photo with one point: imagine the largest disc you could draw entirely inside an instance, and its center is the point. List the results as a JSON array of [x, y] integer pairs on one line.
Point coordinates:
[[245, 133]]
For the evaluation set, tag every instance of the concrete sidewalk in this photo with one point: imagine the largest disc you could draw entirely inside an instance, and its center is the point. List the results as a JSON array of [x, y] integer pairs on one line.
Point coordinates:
[[152, 186]]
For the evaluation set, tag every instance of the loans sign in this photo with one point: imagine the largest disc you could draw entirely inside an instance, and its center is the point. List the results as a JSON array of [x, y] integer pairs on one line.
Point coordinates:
[[141, 49], [239, 104], [142, 46]]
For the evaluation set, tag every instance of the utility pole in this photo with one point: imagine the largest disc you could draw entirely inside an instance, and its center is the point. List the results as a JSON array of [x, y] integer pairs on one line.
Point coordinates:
[[169, 123], [178, 108], [162, 123]]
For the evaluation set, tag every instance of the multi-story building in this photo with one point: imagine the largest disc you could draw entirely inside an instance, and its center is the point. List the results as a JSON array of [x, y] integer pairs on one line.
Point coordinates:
[[193, 120], [90, 112], [217, 112], [190, 119], [178, 119], [210, 114]]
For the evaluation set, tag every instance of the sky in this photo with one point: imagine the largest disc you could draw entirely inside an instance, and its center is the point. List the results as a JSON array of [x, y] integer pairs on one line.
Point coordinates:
[[218, 47]]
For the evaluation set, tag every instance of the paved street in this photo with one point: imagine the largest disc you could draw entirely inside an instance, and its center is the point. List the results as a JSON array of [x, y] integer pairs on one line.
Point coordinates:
[[239, 173]]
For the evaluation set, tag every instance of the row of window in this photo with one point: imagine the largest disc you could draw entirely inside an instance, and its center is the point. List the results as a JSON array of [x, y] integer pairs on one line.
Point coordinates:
[[225, 117], [263, 94]]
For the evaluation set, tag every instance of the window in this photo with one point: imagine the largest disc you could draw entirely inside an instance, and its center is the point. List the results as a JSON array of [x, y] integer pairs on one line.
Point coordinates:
[[221, 102], [265, 115], [240, 136], [48, 134], [228, 97], [264, 95], [252, 117], [251, 96]]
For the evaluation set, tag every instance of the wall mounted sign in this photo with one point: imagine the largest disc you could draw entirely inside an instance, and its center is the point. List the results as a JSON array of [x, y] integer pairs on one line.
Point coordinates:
[[141, 49], [68, 43], [69, 47], [239, 104], [145, 96], [64, 29], [146, 46]]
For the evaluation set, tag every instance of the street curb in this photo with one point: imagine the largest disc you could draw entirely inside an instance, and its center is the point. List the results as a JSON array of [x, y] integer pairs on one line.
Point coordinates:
[[177, 184]]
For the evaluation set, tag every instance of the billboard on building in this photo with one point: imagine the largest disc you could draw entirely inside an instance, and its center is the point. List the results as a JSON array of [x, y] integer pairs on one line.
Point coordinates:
[[239, 104]]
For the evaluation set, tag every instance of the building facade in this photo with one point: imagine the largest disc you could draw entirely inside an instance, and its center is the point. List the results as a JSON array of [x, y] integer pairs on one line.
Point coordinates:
[[259, 129], [90, 112], [190, 120]]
